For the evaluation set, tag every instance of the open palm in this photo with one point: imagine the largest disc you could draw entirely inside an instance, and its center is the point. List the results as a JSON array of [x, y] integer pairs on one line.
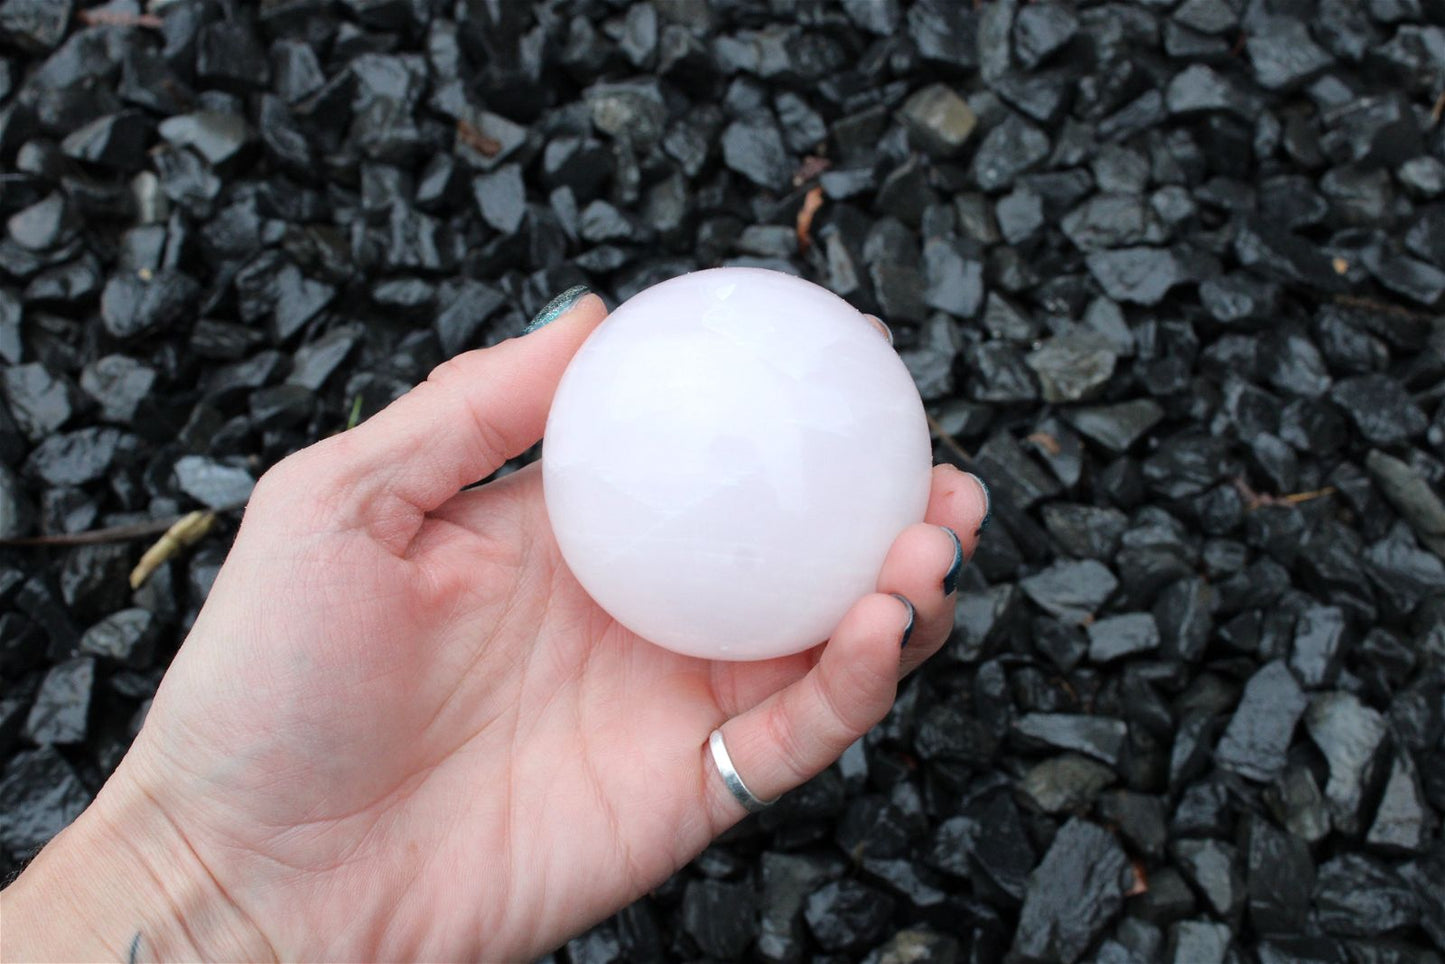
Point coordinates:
[[400, 728]]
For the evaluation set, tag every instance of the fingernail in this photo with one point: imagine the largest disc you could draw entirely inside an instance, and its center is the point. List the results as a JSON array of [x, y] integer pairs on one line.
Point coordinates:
[[950, 578], [556, 308], [908, 627], [882, 327], [987, 505]]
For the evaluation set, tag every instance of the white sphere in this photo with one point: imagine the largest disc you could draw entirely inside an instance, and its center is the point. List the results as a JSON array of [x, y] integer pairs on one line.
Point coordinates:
[[728, 459]]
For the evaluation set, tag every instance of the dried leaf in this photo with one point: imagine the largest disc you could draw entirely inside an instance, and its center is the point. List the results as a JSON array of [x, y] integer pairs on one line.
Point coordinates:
[[1046, 442], [477, 141], [188, 530], [1141, 880], [812, 201]]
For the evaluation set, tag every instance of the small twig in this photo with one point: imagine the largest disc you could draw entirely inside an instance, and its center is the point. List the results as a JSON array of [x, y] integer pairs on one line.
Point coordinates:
[[1385, 307], [948, 440], [1254, 500], [115, 18], [1295, 498], [135, 530]]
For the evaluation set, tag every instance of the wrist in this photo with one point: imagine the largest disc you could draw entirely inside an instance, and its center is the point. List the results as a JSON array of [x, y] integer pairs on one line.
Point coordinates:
[[123, 874]]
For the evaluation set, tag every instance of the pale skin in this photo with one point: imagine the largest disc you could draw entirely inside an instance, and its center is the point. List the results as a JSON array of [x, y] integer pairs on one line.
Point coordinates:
[[400, 730]]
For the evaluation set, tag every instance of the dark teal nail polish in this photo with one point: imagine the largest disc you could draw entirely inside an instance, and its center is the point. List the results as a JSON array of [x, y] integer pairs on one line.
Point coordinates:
[[908, 628], [556, 308], [950, 578], [987, 506]]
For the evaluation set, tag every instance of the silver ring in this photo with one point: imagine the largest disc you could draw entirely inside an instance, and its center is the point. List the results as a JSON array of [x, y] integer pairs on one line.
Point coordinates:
[[729, 773]]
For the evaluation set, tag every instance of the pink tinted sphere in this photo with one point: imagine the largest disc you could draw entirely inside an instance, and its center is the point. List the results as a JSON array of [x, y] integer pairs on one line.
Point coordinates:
[[728, 459]]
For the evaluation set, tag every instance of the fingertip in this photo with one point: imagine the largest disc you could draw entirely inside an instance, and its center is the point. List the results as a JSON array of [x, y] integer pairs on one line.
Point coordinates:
[[959, 500], [910, 616]]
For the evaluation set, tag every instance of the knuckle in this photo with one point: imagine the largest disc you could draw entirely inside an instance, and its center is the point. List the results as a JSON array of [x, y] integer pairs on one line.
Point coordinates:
[[785, 739]]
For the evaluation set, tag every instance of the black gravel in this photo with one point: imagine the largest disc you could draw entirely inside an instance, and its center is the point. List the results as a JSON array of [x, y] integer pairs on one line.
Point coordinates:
[[1170, 276]]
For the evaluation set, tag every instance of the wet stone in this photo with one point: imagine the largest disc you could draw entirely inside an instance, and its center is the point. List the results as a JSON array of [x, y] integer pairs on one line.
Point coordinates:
[[229, 55], [1355, 896], [1008, 150], [36, 26], [1200, 88], [40, 794], [502, 198], [1085, 531], [920, 887], [1073, 894], [1184, 614], [1167, 899], [787, 881], [1120, 636], [75, 458], [1068, 783], [1348, 733], [133, 305], [944, 32], [755, 149], [1072, 366], [114, 141], [1379, 408], [720, 916], [1283, 54], [1281, 877], [1000, 374], [847, 914], [916, 946], [1424, 876], [1071, 590], [313, 362], [127, 637], [39, 401], [119, 384], [61, 711], [1215, 870], [954, 276], [1042, 29], [1139, 818], [1098, 737], [938, 120], [1197, 942], [1138, 275], [1403, 820], [213, 484], [17, 512], [1259, 733], [1013, 472], [1318, 645], [1118, 426], [48, 223]]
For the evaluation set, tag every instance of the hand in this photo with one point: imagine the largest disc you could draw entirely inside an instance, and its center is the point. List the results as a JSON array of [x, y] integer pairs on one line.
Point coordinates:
[[400, 729]]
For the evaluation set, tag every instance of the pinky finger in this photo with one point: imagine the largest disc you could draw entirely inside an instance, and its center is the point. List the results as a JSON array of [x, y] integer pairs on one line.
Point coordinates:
[[798, 731]]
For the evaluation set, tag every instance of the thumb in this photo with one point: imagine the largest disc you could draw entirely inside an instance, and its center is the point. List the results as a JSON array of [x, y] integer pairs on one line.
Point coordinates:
[[473, 413]]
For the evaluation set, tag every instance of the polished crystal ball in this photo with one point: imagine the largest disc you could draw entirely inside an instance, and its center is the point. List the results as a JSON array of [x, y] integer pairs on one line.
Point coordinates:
[[728, 459]]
